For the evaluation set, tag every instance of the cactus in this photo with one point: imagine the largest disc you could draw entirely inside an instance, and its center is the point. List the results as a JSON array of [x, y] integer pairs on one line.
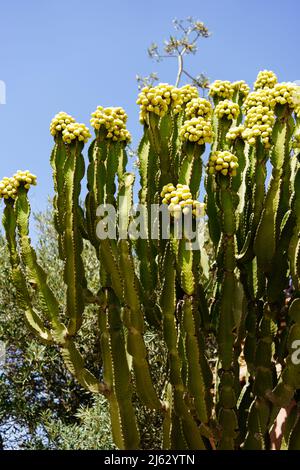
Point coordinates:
[[150, 282]]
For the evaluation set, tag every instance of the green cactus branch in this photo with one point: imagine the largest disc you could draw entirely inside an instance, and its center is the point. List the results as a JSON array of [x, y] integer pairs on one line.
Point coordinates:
[[34, 320]]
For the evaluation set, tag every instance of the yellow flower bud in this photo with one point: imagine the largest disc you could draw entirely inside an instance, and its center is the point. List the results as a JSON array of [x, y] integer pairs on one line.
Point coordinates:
[[265, 79], [223, 162], [196, 130], [227, 109], [179, 200], [221, 89], [113, 122], [60, 122]]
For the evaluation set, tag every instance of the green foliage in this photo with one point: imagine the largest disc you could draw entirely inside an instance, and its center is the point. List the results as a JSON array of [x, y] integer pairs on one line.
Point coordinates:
[[90, 431]]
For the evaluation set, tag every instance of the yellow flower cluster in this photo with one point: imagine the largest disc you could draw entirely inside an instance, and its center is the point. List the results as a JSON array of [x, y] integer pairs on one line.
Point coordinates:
[[24, 178], [114, 121], [158, 99], [280, 93], [265, 79], [286, 93], [256, 98], [9, 186], [198, 107], [196, 130], [74, 131], [225, 89], [242, 87], [221, 89], [235, 133], [188, 92], [163, 97], [60, 122], [223, 162], [179, 200], [227, 109], [258, 123]]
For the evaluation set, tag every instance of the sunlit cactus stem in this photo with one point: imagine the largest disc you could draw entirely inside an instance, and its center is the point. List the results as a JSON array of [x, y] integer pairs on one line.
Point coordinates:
[[278, 195], [224, 165]]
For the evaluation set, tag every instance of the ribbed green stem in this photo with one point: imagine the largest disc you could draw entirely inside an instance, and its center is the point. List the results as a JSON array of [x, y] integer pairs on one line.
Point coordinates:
[[239, 187], [226, 314], [290, 377], [220, 128], [276, 202], [133, 314], [134, 322], [198, 380], [34, 271], [258, 182], [183, 428], [33, 319], [191, 167], [257, 437], [74, 275], [156, 145], [57, 160], [96, 178], [116, 373], [145, 248], [294, 248], [212, 210]]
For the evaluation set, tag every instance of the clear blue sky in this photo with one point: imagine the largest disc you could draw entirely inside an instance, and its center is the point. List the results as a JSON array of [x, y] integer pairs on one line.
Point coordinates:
[[74, 55]]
